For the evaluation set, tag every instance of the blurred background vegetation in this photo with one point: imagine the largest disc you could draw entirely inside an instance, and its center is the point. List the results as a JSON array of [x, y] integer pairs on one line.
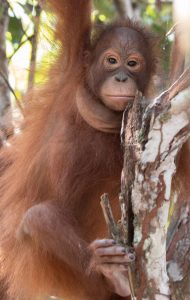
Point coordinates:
[[26, 43]]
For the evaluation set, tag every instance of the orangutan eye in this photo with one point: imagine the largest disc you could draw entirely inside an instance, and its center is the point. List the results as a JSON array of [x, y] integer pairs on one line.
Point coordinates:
[[112, 60], [132, 63]]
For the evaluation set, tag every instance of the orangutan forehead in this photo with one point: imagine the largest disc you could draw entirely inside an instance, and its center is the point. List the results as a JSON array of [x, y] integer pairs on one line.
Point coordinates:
[[122, 37]]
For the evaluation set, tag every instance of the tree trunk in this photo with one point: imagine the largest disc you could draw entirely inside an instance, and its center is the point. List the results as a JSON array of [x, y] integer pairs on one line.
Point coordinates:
[[124, 8], [153, 141], [6, 127], [34, 43]]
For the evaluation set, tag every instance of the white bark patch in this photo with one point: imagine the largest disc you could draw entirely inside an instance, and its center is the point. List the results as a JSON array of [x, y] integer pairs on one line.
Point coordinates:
[[168, 181], [174, 197], [185, 214], [138, 204], [161, 297], [181, 103], [137, 235], [171, 128], [152, 147], [159, 138], [163, 215], [156, 260], [168, 168], [174, 272], [155, 250]]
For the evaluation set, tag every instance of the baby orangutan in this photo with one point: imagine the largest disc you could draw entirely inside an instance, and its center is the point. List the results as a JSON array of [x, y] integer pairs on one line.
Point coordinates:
[[53, 235]]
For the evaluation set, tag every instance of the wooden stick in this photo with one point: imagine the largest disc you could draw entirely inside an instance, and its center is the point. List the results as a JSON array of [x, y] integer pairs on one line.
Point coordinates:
[[114, 231], [165, 97], [108, 215]]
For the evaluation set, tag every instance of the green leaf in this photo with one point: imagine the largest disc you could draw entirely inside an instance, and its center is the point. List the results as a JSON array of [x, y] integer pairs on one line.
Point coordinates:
[[16, 30]]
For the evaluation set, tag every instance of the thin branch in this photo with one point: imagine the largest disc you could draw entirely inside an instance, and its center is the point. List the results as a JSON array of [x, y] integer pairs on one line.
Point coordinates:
[[19, 46], [12, 91], [115, 231], [179, 85], [108, 215]]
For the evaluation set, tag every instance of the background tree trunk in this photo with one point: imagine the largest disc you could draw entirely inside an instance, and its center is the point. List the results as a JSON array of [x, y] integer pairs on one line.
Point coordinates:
[[124, 8], [34, 44], [6, 127]]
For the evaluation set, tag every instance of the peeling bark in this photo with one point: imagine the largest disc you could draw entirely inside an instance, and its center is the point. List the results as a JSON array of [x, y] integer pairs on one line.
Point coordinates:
[[178, 250], [150, 200]]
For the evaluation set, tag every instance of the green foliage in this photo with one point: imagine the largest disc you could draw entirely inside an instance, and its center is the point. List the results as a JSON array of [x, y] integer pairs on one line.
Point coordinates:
[[104, 10], [21, 13], [160, 21], [19, 40], [16, 30]]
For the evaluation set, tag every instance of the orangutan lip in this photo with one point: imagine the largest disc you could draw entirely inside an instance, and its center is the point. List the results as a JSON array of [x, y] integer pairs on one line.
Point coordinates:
[[121, 96]]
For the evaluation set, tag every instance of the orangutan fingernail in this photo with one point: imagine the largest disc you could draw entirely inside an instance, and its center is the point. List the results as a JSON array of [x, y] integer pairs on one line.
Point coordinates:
[[131, 257], [123, 250], [131, 251]]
